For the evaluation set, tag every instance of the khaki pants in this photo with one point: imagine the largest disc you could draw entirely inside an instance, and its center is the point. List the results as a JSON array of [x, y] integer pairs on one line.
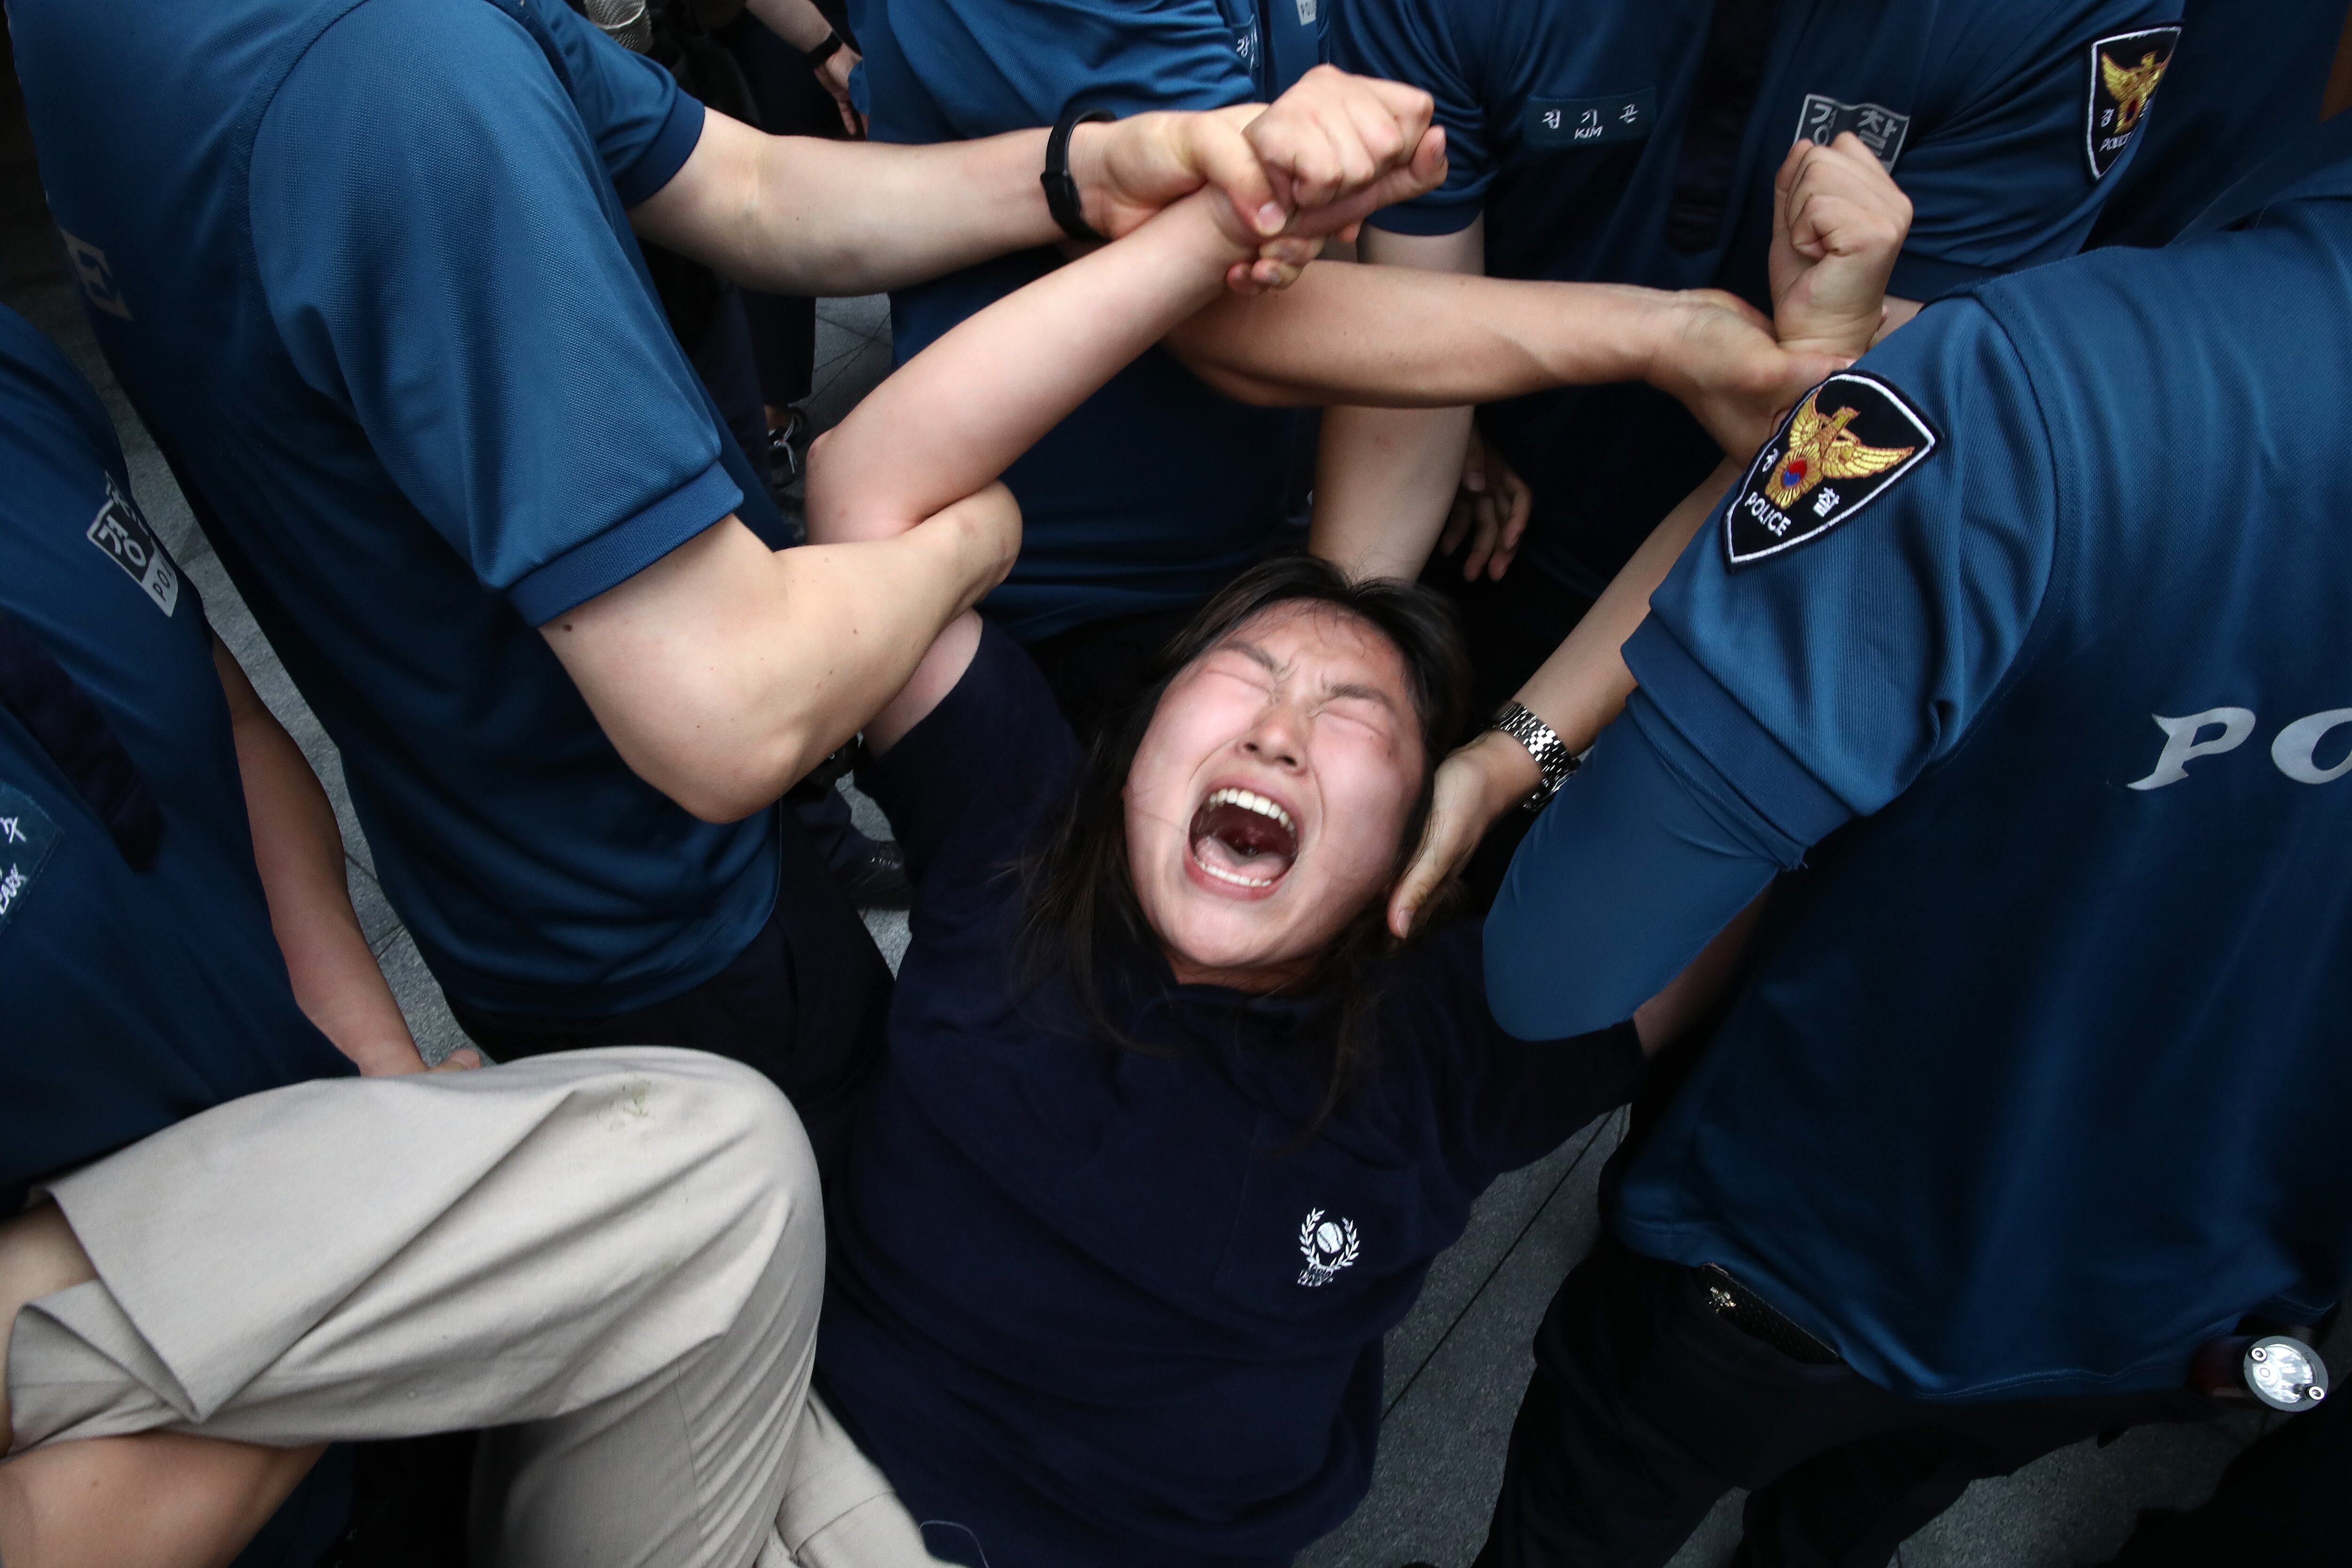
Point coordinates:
[[611, 1259]]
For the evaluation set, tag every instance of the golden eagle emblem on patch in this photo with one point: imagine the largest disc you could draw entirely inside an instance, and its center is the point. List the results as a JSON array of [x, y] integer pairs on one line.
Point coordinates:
[[2126, 70], [1820, 469], [2131, 89], [1820, 448]]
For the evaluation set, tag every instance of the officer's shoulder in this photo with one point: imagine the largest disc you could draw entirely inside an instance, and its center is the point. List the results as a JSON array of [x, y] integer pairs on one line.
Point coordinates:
[[434, 41]]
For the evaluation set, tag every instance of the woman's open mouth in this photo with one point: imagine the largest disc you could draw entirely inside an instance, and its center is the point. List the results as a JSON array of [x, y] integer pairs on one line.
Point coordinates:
[[1243, 840]]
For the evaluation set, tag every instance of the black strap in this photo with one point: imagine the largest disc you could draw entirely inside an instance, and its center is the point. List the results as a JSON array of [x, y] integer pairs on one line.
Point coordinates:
[[1738, 39], [1061, 191], [64, 723], [824, 51], [1759, 1319]]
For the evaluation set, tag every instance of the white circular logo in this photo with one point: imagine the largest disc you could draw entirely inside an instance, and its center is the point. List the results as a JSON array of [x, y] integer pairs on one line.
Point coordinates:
[[1327, 1245]]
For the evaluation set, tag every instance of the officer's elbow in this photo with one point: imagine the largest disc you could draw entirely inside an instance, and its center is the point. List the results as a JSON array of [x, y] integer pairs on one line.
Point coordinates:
[[1205, 348], [720, 772]]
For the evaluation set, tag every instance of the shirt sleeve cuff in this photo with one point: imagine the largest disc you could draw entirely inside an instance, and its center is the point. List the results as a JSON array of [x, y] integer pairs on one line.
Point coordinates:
[[1929, 277], [666, 155], [627, 548], [1748, 758], [1443, 213]]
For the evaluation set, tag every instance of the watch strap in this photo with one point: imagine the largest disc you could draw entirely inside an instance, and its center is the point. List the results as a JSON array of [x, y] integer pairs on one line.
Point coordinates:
[[1061, 191], [1553, 760], [824, 50]]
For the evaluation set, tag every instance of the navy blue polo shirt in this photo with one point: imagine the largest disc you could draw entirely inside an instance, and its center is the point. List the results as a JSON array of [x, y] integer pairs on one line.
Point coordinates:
[[142, 983], [1101, 1305], [1636, 143], [1156, 489], [2248, 82], [365, 270], [2033, 1088]]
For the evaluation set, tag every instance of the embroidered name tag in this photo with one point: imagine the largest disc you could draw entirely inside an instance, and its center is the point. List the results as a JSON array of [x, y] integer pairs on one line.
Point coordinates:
[[1590, 121], [2126, 70], [1823, 120], [1839, 450], [26, 837], [123, 534]]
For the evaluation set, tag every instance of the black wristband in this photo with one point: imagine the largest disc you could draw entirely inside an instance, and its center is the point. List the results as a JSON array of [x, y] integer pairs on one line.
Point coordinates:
[[1061, 191], [825, 50]]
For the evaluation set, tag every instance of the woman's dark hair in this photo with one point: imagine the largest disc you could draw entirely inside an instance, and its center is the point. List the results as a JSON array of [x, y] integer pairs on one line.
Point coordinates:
[[1082, 916]]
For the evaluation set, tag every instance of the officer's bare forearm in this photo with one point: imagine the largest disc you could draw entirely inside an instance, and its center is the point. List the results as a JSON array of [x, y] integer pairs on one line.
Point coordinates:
[[1400, 337], [1584, 685], [725, 672], [1384, 479], [298, 851], [1578, 692], [797, 215], [798, 22]]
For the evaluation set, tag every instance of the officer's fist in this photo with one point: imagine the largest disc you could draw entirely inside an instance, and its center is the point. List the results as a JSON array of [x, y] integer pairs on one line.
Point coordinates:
[[1838, 223]]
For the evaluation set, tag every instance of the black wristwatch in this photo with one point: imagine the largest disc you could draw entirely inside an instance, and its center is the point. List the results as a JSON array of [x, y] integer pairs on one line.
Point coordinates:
[[826, 47], [1061, 191]]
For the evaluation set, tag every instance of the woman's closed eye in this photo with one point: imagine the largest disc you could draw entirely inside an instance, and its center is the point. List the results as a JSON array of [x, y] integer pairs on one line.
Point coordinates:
[[1359, 709]]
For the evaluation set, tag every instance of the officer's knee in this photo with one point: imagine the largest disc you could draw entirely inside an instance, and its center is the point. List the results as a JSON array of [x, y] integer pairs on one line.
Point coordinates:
[[751, 1140]]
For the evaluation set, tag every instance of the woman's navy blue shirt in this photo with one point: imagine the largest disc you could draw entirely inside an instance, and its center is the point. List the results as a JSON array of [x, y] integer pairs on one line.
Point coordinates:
[[1102, 1304]]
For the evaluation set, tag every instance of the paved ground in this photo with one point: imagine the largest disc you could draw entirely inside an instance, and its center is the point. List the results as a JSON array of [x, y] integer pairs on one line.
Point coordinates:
[[1457, 1364]]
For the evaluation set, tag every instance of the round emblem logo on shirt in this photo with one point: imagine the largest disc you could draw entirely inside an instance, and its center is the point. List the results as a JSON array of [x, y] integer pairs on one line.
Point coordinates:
[[1327, 1245]]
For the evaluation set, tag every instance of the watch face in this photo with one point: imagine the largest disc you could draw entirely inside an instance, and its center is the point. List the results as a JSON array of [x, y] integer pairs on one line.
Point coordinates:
[[2285, 1373]]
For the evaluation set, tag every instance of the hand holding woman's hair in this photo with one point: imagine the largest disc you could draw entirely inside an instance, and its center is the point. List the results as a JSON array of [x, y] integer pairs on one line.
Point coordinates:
[[1475, 787]]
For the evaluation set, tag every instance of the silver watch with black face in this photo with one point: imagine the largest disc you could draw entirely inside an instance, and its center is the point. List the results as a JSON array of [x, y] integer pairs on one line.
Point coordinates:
[[1554, 761]]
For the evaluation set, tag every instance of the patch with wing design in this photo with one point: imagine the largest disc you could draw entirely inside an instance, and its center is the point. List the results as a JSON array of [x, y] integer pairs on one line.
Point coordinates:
[[1848, 440], [2126, 70]]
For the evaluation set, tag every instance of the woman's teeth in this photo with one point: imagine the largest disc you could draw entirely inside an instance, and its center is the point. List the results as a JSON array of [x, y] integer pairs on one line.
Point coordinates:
[[1243, 840], [1249, 802]]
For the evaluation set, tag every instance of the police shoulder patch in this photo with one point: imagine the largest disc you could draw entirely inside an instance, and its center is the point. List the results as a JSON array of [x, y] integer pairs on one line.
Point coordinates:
[[2126, 70], [1840, 448]]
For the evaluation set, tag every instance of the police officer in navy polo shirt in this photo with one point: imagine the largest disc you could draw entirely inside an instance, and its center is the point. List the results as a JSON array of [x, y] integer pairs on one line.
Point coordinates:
[[2011, 648], [220, 1249], [141, 978], [2251, 80], [367, 272], [1636, 142]]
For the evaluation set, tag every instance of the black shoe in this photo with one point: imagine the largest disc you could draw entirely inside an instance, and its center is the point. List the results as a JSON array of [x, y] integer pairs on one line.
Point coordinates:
[[879, 880], [786, 444]]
